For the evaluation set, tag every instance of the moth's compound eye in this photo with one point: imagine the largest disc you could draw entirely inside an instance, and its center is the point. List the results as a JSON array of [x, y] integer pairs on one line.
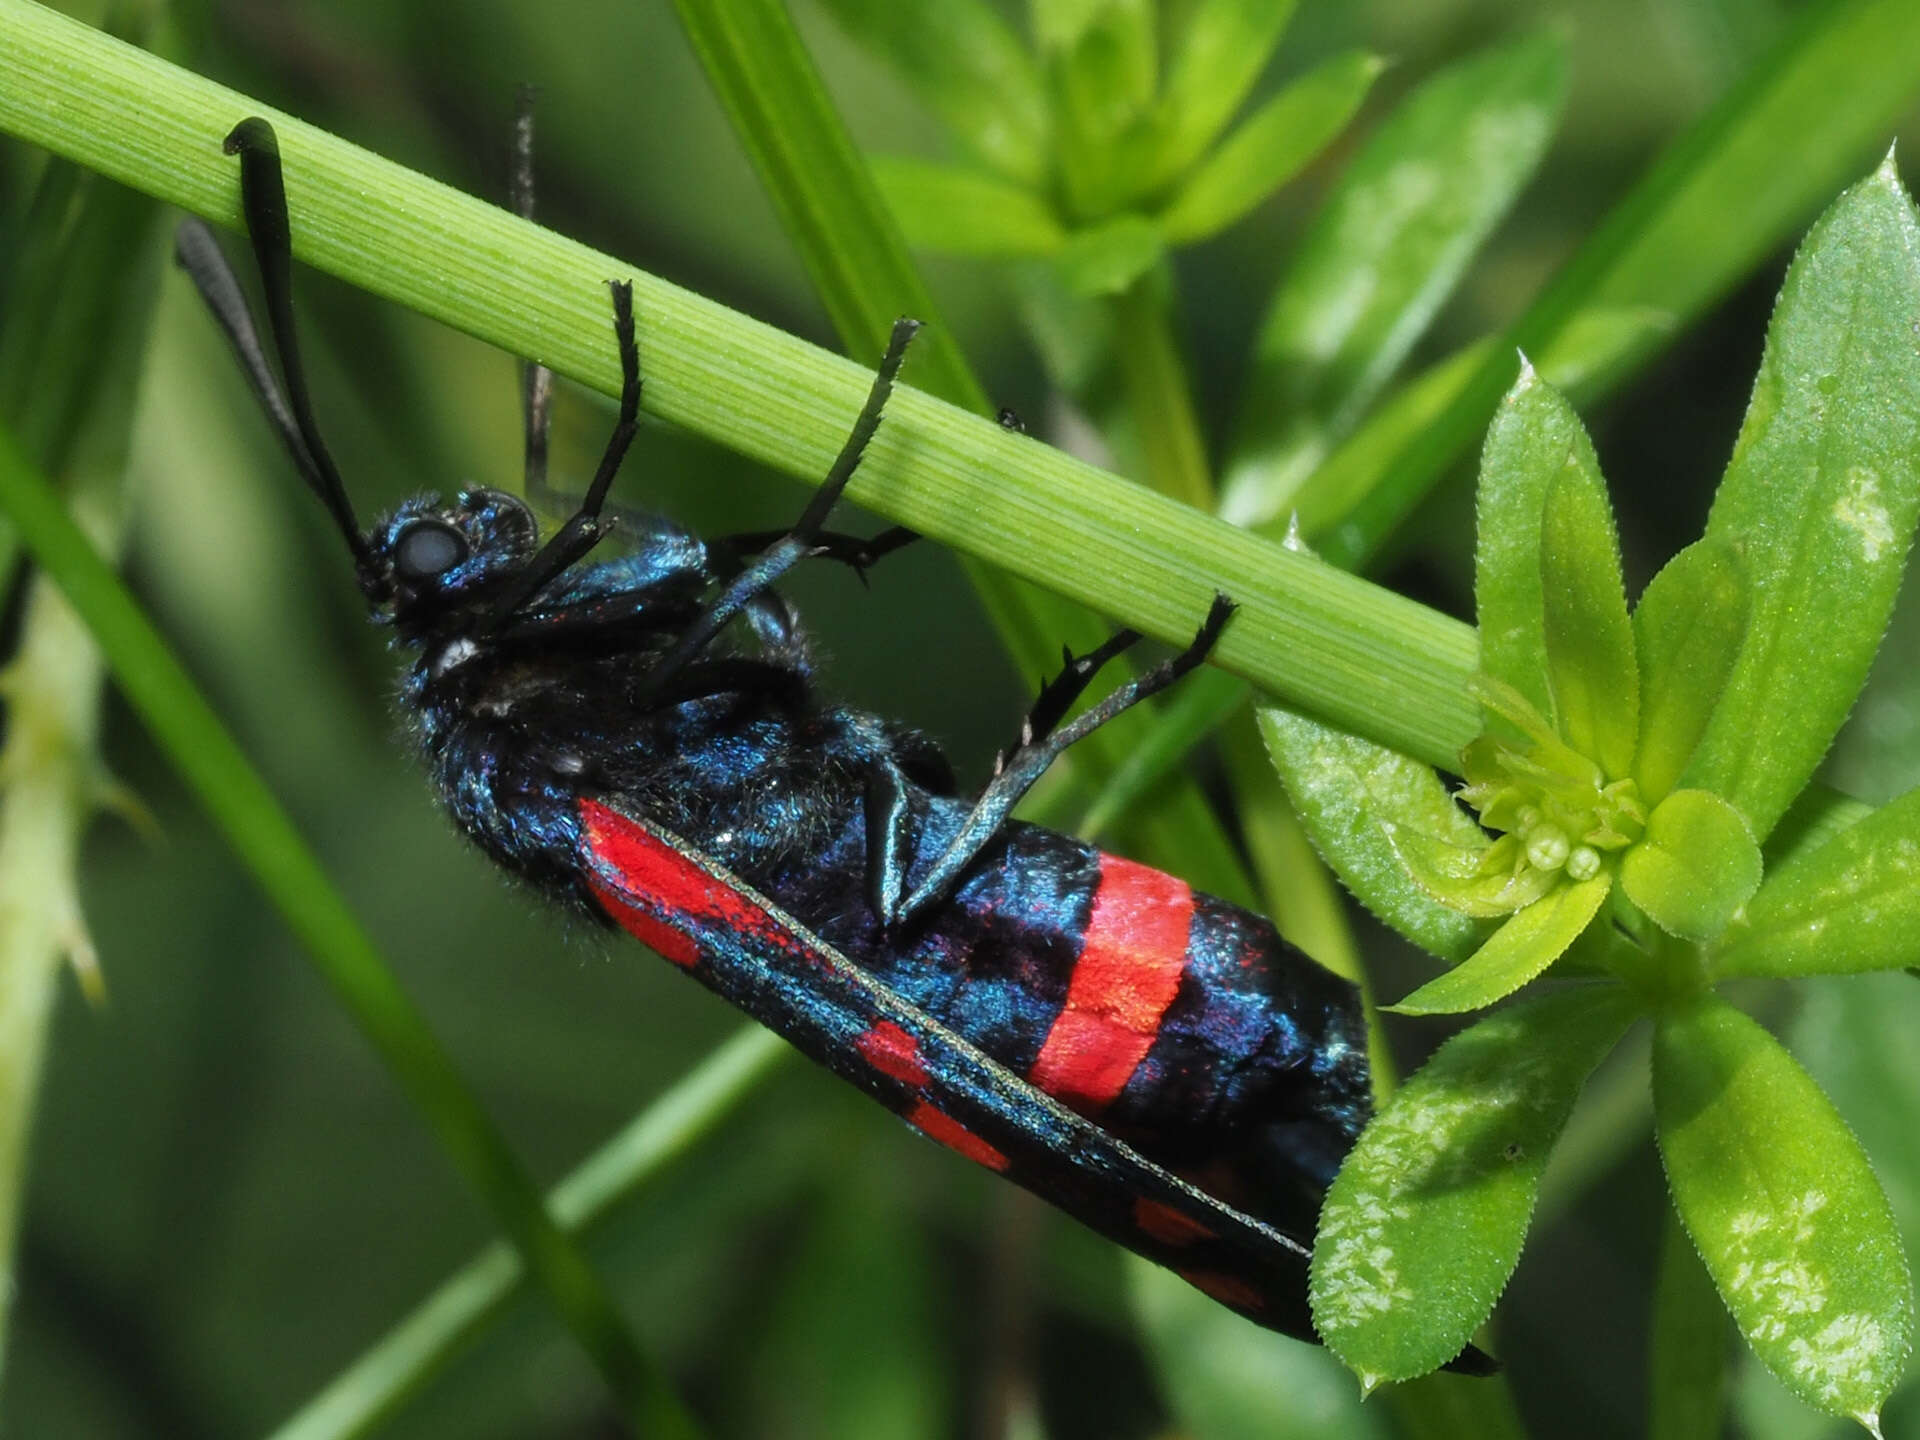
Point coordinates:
[[426, 550]]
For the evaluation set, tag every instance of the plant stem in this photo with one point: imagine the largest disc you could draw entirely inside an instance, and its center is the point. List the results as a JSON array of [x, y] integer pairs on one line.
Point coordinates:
[[1158, 396], [49, 772], [369, 1391], [1328, 644]]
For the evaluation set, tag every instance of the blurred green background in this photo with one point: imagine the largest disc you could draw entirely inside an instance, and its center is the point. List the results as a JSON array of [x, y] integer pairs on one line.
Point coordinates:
[[229, 1200]]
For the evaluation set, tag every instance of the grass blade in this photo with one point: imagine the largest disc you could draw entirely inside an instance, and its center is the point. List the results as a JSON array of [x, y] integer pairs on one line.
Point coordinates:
[[1334, 646], [236, 798], [358, 1400]]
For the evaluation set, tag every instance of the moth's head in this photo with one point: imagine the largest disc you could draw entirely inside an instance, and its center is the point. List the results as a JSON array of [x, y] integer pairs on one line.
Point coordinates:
[[432, 559], [428, 559]]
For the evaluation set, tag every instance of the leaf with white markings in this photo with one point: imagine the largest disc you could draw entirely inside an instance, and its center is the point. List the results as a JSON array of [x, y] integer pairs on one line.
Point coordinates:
[[1784, 1209], [1354, 796], [1423, 1226], [1848, 905], [1820, 498]]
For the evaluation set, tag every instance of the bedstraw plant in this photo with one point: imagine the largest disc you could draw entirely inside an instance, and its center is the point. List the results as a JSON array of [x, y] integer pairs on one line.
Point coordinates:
[[1599, 817]]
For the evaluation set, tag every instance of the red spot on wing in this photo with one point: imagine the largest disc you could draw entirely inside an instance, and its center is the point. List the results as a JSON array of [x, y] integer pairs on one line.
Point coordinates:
[[644, 865], [893, 1052], [938, 1125], [1227, 1289], [656, 935], [1127, 975], [1169, 1226]]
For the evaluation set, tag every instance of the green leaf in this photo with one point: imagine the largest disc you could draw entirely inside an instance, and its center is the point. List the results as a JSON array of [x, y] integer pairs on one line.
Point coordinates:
[[1535, 437], [1058, 24], [1857, 1040], [1101, 87], [1270, 148], [1820, 497], [962, 212], [1381, 257], [1108, 258], [1783, 1208], [1423, 1227], [966, 65], [1585, 354], [1222, 50], [1716, 203], [1299, 893], [821, 188], [1697, 865], [1519, 950], [1849, 905], [1688, 1374], [1818, 813], [1112, 68], [1687, 630], [1591, 670], [1352, 796]]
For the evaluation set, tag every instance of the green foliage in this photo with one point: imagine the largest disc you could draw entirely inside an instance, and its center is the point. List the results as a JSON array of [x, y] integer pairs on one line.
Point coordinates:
[[1780, 1200], [1384, 252], [1820, 499], [1728, 684], [1429, 1210], [1630, 800]]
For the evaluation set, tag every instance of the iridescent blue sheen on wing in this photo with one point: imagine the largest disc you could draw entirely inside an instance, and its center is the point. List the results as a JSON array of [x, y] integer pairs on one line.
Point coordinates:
[[853, 1023]]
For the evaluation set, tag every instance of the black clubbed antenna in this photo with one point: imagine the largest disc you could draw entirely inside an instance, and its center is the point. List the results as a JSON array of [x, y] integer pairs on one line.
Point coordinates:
[[263, 198]]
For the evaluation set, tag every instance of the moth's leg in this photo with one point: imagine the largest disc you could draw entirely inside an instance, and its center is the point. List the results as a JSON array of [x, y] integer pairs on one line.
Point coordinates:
[[799, 542], [857, 552], [1056, 696], [583, 529], [1028, 760], [889, 838], [890, 847]]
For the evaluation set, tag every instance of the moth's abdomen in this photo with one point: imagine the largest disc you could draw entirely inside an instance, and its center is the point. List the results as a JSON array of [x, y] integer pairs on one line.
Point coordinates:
[[1183, 1022]]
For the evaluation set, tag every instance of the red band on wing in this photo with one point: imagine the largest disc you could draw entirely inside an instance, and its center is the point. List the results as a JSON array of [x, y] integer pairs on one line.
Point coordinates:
[[1127, 975], [633, 861], [893, 1052], [1166, 1224], [938, 1125]]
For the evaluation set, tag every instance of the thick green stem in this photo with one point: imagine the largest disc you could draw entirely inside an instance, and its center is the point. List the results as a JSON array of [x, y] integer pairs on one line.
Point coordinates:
[[1329, 644]]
